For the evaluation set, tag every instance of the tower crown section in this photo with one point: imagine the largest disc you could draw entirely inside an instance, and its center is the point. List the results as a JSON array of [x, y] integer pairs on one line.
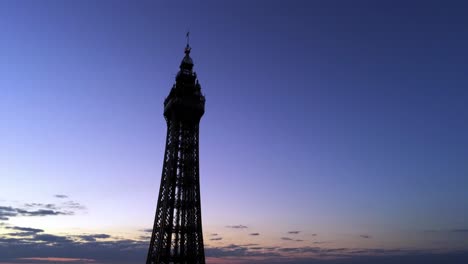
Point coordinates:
[[185, 101]]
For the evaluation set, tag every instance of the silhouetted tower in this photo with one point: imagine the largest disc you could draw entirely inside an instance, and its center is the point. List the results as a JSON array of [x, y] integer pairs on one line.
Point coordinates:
[[177, 232]]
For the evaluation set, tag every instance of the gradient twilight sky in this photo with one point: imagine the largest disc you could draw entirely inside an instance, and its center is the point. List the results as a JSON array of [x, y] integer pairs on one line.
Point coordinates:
[[344, 120]]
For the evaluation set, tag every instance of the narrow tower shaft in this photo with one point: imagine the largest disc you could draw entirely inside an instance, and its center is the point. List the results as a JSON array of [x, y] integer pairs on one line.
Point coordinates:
[[177, 232]]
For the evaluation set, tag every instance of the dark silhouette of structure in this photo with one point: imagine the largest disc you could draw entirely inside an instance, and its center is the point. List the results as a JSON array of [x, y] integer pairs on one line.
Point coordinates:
[[177, 233]]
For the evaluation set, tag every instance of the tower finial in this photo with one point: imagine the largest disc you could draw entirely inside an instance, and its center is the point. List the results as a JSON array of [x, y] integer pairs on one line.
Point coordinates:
[[187, 48]]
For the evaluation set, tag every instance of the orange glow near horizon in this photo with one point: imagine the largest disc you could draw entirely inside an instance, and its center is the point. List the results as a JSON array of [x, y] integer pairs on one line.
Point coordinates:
[[53, 259]]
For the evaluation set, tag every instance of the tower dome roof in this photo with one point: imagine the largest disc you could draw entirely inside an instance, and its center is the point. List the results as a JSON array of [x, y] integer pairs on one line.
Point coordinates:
[[187, 62]]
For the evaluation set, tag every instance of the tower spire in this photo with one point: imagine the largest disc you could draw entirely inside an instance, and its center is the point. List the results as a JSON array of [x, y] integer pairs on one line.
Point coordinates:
[[187, 47], [187, 63]]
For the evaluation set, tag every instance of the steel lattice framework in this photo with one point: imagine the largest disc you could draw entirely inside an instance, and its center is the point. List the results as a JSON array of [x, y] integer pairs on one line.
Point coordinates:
[[177, 231]]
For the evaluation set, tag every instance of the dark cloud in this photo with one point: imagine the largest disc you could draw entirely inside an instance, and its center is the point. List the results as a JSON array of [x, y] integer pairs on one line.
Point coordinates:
[[248, 245], [333, 250], [270, 248], [257, 248], [6, 212], [42, 212], [51, 238], [294, 232], [25, 229], [214, 234], [231, 246], [21, 234], [61, 196], [313, 234], [93, 237], [4, 241], [291, 239], [459, 230], [46, 245], [237, 226], [300, 249], [365, 236], [106, 249], [147, 230], [145, 238], [254, 234], [127, 251]]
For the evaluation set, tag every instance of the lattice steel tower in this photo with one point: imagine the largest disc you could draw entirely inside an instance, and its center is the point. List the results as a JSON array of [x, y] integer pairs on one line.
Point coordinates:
[[177, 232]]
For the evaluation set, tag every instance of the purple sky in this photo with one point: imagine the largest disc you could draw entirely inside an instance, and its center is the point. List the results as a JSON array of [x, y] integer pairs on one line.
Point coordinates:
[[343, 120]]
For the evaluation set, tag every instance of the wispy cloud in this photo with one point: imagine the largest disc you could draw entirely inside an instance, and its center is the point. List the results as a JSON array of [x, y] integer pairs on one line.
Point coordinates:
[[73, 205], [6, 212], [291, 239], [40, 209], [216, 238], [48, 206], [237, 226], [320, 242], [61, 196], [254, 234], [294, 232], [365, 236]]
